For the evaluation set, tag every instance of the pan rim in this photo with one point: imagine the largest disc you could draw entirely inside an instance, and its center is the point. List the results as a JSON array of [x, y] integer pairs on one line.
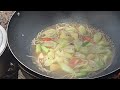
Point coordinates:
[[47, 76]]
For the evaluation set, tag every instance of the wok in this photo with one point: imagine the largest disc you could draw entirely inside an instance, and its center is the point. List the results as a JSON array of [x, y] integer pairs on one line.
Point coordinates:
[[25, 25]]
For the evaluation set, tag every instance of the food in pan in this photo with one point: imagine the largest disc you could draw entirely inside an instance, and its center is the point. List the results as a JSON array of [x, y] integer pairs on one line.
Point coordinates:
[[72, 50]]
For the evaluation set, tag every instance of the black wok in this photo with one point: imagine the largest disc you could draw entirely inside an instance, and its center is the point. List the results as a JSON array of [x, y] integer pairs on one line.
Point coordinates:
[[25, 25]]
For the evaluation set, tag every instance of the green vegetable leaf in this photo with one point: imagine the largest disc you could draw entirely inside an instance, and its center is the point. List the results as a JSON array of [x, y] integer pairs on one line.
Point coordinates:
[[81, 74], [38, 48], [85, 43], [66, 68], [45, 49]]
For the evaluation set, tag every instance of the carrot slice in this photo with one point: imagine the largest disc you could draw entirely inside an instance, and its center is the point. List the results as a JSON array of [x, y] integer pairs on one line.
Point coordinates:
[[46, 39]]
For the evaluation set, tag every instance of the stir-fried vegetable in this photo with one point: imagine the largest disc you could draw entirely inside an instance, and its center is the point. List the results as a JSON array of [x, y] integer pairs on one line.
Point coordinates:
[[69, 49], [81, 74], [97, 37], [80, 55], [72, 49], [73, 62], [50, 44], [45, 49], [59, 58], [48, 61], [82, 30], [84, 50], [99, 62], [63, 35], [103, 42], [61, 44], [85, 43], [51, 54], [91, 57], [40, 56], [54, 67], [38, 48], [49, 32], [47, 39], [70, 29], [87, 38], [66, 68], [75, 35], [63, 54], [77, 44]]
